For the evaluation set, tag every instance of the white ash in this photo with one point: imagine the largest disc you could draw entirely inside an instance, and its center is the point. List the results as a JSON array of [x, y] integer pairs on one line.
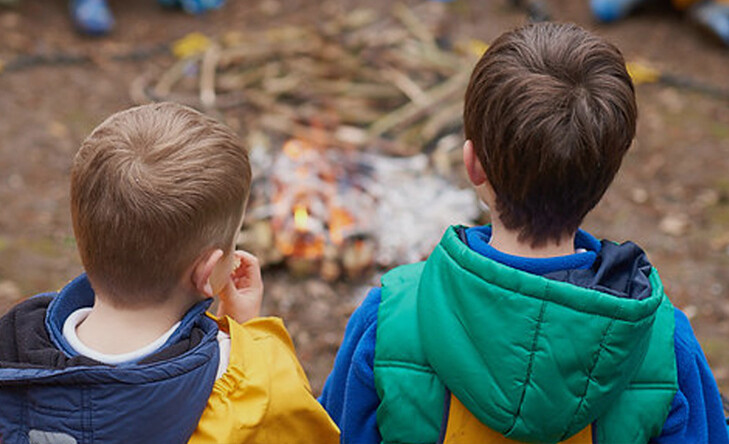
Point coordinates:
[[414, 208]]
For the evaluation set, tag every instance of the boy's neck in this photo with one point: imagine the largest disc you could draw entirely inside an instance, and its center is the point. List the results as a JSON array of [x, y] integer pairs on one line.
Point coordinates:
[[112, 330], [507, 241]]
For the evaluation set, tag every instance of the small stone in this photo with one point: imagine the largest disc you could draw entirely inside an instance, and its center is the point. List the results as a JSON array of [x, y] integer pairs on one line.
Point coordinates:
[[690, 311], [639, 195], [9, 291], [708, 198], [58, 130], [674, 224]]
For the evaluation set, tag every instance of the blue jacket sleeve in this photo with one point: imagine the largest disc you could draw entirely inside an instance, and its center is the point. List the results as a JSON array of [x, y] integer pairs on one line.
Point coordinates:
[[349, 395], [697, 413]]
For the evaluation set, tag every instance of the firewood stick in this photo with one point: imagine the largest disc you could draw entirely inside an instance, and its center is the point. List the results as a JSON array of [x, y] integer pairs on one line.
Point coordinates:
[[184, 99], [240, 80], [268, 102], [305, 43], [449, 115], [172, 75], [282, 85], [356, 114], [445, 60], [413, 24], [359, 18], [412, 111], [368, 38], [411, 89], [418, 58], [207, 76], [406, 16], [318, 136], [138, 90], [354, 89], [322, 137]]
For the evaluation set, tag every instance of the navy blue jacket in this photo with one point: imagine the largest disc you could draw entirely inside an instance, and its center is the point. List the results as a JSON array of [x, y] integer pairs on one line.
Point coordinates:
[[50, 394]]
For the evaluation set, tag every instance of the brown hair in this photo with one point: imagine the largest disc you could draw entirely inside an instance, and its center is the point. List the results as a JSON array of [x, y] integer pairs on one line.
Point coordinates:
[[152, 188], [550, 109]]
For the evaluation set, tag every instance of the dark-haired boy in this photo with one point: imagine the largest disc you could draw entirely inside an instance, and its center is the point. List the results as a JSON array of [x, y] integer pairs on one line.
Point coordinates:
[[530, 329]]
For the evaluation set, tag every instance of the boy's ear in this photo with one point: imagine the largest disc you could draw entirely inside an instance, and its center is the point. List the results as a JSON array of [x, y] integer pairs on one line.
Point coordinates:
[[473, 165], [204, 269]]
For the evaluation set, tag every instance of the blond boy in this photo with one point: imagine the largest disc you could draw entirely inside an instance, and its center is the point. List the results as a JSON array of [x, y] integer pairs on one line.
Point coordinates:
[[127, 352]]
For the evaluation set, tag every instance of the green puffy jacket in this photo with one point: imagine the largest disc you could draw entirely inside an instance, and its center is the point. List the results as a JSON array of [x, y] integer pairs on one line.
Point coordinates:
[[535, 358]]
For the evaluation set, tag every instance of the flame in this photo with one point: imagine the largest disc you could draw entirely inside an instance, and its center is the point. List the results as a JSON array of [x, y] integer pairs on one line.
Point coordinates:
[[301, 217], [309, 196], [339, 220], [294, 148]]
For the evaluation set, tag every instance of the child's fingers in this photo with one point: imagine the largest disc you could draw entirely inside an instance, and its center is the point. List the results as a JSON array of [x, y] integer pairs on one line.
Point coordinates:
[[243, 300], [248, 273]]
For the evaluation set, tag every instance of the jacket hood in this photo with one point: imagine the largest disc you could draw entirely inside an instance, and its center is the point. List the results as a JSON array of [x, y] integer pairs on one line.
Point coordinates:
[[519, 350], [46, 390]]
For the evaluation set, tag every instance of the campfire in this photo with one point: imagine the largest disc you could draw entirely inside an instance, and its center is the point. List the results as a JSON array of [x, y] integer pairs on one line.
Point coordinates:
[[338, 213], [365, 111], [315, 212]]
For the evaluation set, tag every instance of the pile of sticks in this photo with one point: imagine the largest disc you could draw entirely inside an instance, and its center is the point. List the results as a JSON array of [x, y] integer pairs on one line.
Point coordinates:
[[357, 80]]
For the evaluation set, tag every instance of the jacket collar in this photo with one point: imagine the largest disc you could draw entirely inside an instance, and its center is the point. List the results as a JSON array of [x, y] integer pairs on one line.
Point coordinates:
[[79, 294]]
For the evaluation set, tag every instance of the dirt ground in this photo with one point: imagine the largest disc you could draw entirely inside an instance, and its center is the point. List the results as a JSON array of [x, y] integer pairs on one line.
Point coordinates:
[[672, 195]]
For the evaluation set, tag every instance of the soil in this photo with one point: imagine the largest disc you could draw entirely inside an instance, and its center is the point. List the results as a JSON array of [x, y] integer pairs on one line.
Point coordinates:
[[672, 195]]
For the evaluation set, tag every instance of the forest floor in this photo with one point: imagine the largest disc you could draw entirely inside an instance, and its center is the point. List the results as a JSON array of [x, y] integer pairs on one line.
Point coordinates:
[[671, 196]]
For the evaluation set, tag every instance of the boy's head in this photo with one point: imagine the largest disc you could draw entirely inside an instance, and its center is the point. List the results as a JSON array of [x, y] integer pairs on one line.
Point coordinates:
[[153, 188], [550, 110]]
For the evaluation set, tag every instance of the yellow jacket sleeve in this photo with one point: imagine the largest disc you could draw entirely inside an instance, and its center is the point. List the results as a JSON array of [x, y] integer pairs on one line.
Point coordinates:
[[264, 395]]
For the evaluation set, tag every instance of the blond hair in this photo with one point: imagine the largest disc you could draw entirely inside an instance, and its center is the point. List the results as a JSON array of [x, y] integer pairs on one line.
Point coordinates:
[[152, 188]]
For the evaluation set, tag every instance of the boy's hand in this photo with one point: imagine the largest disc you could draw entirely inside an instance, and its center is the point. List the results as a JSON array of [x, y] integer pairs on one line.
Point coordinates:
[[241, 297]]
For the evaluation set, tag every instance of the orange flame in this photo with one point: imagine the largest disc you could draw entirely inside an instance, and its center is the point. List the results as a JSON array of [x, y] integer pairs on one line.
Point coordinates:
[[301, 217], [294, 148]]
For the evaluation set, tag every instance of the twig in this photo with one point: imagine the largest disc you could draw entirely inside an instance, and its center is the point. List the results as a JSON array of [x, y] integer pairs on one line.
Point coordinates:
[[172, 75], [449, 115], [207, 76], [413, 24], [411, 111], [411, 89]]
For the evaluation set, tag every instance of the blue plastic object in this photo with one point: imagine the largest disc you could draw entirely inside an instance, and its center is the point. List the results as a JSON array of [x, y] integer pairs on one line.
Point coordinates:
[[612, 10], [92, 16], [714, 17], [200, 6]]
